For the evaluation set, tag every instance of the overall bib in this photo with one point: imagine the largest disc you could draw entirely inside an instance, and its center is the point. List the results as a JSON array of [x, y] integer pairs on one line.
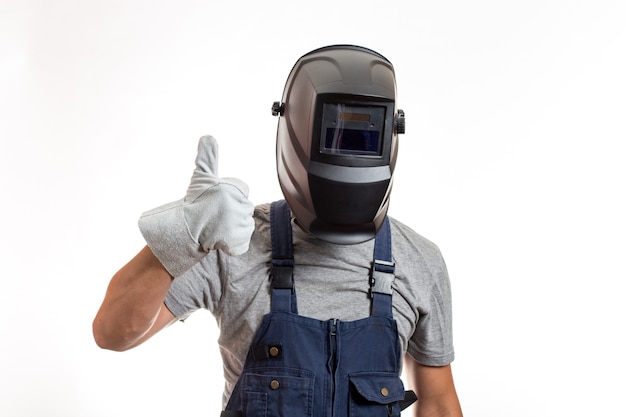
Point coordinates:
[[302, 367]]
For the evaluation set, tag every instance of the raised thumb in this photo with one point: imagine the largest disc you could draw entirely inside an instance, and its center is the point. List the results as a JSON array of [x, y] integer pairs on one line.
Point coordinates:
[[207, 158]]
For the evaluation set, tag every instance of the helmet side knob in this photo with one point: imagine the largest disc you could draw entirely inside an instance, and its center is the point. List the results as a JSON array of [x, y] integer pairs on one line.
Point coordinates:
[[400, 122], [278, 108]]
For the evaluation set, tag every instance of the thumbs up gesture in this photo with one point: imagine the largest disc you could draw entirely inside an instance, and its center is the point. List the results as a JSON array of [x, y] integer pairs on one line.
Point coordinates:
[[215, 214]]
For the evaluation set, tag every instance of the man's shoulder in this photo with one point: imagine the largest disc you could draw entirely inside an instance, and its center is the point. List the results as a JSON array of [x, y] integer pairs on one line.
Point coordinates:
[[405, 232], [263, 208], [262, 212], [408, 242]]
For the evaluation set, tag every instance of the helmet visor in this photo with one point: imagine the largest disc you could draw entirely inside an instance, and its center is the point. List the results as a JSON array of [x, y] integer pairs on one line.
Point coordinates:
[[352, 130]]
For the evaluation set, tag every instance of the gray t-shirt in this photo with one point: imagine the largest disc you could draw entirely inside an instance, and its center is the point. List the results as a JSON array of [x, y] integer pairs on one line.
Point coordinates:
[[332, 281]]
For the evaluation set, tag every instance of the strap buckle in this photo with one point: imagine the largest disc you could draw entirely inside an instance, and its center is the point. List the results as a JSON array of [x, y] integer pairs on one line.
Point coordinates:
[[282, 277], [382, 277]]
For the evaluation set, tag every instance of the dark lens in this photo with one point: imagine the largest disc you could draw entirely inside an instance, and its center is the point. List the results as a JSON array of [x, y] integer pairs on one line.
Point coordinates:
[[351, 141]]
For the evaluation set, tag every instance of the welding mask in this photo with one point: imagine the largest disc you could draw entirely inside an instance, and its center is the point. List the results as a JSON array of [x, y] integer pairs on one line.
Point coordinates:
[[337, 142]]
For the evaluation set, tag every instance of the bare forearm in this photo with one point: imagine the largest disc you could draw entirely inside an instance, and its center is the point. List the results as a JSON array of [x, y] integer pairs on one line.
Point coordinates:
[[132, 302], [441, 407], [435, 390]]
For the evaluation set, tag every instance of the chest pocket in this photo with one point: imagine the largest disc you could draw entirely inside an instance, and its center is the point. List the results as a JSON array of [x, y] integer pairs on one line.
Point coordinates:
[[277, 392]]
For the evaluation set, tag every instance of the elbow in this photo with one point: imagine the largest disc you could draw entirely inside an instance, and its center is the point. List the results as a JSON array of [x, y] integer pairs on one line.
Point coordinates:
[[108, 344], [116, 340]]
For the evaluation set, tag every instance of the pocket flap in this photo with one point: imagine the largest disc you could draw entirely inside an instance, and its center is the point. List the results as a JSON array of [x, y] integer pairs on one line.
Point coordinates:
[[378, 387]]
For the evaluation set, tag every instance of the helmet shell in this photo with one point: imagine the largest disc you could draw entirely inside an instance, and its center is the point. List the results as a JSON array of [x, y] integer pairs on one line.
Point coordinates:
[[336, 143]]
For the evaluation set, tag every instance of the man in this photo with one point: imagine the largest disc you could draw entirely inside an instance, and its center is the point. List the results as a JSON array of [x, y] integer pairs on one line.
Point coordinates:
[[321, 299]]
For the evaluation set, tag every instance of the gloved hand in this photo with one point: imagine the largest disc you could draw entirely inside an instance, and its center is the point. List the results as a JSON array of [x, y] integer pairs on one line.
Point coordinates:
[[215, 214]]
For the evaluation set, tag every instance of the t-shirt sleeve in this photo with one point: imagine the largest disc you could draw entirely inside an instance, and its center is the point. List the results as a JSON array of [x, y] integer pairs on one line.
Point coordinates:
[[431, 343], [198, 288], [423, 284]]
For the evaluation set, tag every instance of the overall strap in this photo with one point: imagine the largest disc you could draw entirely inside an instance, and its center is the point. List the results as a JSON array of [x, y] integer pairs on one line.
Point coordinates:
[[281, 274], [382, 276], [381, 286]]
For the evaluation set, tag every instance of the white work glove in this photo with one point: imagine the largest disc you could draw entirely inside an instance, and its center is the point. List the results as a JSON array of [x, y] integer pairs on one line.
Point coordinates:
[[215, 214]]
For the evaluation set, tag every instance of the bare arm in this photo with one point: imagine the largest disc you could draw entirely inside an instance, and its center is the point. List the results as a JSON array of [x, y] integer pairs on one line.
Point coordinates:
[[435, 389], [133, 309]]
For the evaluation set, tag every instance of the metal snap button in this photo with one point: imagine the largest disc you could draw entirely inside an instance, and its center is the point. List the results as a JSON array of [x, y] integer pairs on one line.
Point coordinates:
[[274, 384], [384, 391], [274, 351]]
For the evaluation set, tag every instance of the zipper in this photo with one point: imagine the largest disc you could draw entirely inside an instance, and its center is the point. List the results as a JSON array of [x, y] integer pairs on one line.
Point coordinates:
[[332, 363]]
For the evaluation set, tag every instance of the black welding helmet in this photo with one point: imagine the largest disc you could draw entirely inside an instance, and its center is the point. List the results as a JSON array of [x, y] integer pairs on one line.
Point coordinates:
[[337, 142]]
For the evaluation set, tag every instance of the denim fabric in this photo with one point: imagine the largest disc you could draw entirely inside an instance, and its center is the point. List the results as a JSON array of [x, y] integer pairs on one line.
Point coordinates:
[[302, 367]]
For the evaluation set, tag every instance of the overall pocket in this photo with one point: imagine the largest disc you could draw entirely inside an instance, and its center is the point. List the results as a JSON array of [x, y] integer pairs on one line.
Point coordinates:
[[277, 392], [375, 394]]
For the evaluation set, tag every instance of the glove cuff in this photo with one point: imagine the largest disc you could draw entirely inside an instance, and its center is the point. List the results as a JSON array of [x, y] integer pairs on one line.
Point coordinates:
[[166, 233]]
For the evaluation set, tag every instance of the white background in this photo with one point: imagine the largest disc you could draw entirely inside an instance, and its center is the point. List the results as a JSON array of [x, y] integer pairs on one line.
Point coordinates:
[[512, 163]]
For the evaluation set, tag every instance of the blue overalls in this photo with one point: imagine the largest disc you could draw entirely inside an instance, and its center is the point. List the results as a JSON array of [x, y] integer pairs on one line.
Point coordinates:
[[302, 367]]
